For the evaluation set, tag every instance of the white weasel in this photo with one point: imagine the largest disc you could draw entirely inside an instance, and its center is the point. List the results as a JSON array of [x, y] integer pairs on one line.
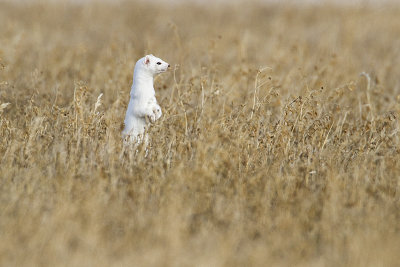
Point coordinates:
[[143, 103]]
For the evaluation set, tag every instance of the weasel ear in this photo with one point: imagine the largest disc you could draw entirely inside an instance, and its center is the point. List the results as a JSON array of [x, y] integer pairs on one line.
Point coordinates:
[[146, 60]]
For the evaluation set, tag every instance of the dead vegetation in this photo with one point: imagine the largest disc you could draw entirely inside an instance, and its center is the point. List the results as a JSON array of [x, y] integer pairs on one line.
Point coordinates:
[[273, 150]]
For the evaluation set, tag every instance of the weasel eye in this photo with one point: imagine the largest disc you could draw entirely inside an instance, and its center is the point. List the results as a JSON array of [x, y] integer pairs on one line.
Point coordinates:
[[158, 63]]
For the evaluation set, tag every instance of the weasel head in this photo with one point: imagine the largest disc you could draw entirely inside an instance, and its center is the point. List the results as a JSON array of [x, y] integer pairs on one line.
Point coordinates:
[[153, 65]]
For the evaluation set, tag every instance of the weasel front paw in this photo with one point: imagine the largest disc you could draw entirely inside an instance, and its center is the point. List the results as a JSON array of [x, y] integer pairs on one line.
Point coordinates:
[[152, 117], [157, 112]]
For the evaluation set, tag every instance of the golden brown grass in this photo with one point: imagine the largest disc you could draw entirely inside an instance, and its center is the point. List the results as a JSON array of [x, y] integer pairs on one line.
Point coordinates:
[[272, 151]]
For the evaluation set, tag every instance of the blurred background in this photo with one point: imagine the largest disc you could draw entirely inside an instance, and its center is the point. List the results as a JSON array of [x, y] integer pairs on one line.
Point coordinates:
[[278, 146]]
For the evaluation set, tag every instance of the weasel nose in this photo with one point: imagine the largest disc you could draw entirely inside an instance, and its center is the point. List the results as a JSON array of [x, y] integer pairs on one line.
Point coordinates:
[[168, 65]]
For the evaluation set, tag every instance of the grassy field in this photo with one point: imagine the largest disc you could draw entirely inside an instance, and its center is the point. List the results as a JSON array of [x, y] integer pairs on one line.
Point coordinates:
[[279, 144]]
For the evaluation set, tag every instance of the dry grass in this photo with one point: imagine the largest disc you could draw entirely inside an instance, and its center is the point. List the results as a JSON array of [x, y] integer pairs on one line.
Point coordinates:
[[272, 150]]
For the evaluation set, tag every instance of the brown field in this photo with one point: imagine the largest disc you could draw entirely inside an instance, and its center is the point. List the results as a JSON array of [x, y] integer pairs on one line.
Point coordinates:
[[273, 150]]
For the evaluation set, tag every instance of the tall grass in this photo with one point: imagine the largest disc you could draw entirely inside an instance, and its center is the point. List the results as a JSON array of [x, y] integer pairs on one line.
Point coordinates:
[[272, 150]]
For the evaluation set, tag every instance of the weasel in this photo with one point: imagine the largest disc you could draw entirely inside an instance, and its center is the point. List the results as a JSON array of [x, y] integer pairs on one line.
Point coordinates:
[[143, 106]]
